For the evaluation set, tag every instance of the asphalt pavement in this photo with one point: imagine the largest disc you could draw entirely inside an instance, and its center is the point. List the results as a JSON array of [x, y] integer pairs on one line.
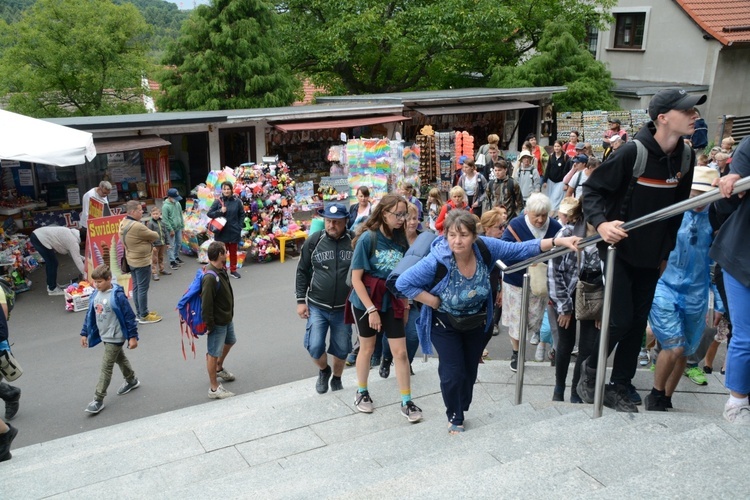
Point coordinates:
[[60, 376]]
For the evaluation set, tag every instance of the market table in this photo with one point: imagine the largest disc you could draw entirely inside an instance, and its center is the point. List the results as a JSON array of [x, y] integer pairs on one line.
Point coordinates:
[[297, 235]]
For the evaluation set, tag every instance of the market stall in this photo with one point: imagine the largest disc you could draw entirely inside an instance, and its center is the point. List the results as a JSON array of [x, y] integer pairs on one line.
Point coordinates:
[[30, 140], [267, 191]]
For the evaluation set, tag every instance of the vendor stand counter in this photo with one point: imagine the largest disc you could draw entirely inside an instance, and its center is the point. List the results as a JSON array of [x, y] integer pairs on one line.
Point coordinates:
[[298, 235]]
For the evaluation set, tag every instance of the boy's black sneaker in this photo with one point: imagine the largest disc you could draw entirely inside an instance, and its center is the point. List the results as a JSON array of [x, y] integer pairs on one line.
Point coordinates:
[[514, 361], [5, 441], [617, 398], [95, 407], [655, 403], [128, 386], [336, 384], [178, 260], [173, 265], [587, 383]]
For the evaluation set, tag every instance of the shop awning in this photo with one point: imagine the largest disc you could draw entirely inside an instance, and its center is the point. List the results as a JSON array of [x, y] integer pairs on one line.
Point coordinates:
[[121, 144], [344, 123], [482, 107]]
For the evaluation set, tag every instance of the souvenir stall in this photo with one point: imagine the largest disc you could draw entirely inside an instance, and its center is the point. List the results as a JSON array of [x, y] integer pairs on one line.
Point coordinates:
[[591, 125], [382, 165], [18, 258], [268, 193]]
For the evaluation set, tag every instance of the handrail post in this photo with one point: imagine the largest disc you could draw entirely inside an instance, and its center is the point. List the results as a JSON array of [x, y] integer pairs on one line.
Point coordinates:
[[524, 325], [601, 371]]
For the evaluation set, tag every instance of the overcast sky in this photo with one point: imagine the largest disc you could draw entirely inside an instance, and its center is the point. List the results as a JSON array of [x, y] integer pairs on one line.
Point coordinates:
[[189, 4]]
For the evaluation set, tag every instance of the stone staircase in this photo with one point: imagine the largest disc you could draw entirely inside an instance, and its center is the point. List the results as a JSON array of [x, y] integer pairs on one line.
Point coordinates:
[[289, 442]]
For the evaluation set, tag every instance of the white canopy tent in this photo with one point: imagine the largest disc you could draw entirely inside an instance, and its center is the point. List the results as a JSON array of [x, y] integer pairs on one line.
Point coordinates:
[[28, 139]]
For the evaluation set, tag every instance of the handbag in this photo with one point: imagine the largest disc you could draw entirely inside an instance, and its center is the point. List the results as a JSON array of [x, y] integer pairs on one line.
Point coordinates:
[[467, 323], [537, 273], [124, 267], [216, 225], [9, 367], [589, 301]]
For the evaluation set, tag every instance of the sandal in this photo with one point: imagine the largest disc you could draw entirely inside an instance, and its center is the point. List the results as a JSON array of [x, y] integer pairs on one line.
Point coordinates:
[[455, 429]]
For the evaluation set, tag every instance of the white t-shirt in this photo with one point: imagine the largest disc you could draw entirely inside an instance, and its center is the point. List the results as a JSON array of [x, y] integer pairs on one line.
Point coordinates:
[[576, 182], [91, 193], [470, 185]]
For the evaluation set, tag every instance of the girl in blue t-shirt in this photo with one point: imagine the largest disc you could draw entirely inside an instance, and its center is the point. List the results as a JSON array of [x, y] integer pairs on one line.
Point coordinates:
[[375, 309]]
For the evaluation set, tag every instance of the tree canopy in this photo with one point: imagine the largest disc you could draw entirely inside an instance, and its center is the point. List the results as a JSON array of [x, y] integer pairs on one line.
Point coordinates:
[[372, 46], [164, 16], [227, 57], [75, 57], [560, 59]]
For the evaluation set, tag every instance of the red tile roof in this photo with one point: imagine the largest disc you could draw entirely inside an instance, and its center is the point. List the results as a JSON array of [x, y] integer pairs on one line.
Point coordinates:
[[726, 20]]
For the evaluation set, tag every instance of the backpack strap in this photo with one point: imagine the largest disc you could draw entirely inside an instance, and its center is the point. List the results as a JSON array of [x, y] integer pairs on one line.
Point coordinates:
[[687, 164], [441, 270], [638, 168]]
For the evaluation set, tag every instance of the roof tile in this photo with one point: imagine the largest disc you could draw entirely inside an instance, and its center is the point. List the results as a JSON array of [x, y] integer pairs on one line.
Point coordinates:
[[726, 20]]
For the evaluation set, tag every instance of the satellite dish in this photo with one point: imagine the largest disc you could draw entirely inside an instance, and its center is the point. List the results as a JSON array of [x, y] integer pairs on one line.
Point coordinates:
[[343, 136]]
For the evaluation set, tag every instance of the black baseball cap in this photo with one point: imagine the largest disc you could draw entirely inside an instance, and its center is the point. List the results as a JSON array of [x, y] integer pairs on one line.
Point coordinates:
[[667, 100]]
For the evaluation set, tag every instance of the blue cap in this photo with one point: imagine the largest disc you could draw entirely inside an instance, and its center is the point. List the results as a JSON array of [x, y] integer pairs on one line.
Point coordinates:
[[173, 193], [581, 159], [334, 211]]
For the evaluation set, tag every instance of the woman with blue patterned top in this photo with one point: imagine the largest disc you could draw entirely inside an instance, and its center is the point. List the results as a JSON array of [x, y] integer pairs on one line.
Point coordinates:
[[460, 304]]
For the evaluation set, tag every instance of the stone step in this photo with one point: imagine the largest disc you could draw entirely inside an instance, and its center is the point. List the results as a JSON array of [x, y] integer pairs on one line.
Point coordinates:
[[289, 442]]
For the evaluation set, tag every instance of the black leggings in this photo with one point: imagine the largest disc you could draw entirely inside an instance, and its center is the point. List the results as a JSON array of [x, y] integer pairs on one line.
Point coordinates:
[[564, 348]]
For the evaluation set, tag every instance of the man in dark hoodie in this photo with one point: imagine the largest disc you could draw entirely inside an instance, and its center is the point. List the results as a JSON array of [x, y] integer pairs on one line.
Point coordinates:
[[609, 200]]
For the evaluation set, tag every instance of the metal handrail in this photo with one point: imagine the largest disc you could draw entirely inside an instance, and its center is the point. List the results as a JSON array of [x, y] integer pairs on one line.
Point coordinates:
[[740, 186], [665, 213]]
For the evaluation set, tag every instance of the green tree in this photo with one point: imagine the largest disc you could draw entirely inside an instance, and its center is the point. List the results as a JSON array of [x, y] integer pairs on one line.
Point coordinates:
[[561, 60], [227, 57], [75, 57], [372, 46]]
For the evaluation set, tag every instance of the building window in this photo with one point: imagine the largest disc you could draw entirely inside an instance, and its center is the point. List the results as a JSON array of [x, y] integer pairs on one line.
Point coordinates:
[[629, 30], [592, 39]]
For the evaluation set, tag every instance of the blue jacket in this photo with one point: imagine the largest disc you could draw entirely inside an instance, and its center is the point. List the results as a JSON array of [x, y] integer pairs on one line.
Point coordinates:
[[122, 310], [419, 277], [522, 230]]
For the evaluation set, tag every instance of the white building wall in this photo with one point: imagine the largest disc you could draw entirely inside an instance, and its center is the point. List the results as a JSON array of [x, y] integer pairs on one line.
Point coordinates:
[[673, 47]]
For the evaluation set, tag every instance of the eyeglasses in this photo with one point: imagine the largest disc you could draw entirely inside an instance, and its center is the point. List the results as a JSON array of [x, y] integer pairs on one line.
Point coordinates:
[[400, 215]]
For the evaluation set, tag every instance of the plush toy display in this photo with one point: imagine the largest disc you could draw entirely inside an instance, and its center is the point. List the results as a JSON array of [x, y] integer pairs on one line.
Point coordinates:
[[267, 192]]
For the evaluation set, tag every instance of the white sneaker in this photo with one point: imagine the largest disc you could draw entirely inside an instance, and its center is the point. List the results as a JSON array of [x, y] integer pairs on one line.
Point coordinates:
[[56, 291], [644, 358], [219, 393], [535, 339], [541, 352], [739, 415]]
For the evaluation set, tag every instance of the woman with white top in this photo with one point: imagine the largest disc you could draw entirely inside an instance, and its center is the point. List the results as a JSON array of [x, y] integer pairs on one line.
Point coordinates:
[[474, 184]]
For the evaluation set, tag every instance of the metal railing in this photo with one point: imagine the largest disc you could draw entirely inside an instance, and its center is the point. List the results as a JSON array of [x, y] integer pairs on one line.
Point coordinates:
[[706, 198]]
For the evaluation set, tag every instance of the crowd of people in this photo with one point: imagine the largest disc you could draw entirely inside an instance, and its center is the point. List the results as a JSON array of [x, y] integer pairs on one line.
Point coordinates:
[[677, 279], [663, 283]]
